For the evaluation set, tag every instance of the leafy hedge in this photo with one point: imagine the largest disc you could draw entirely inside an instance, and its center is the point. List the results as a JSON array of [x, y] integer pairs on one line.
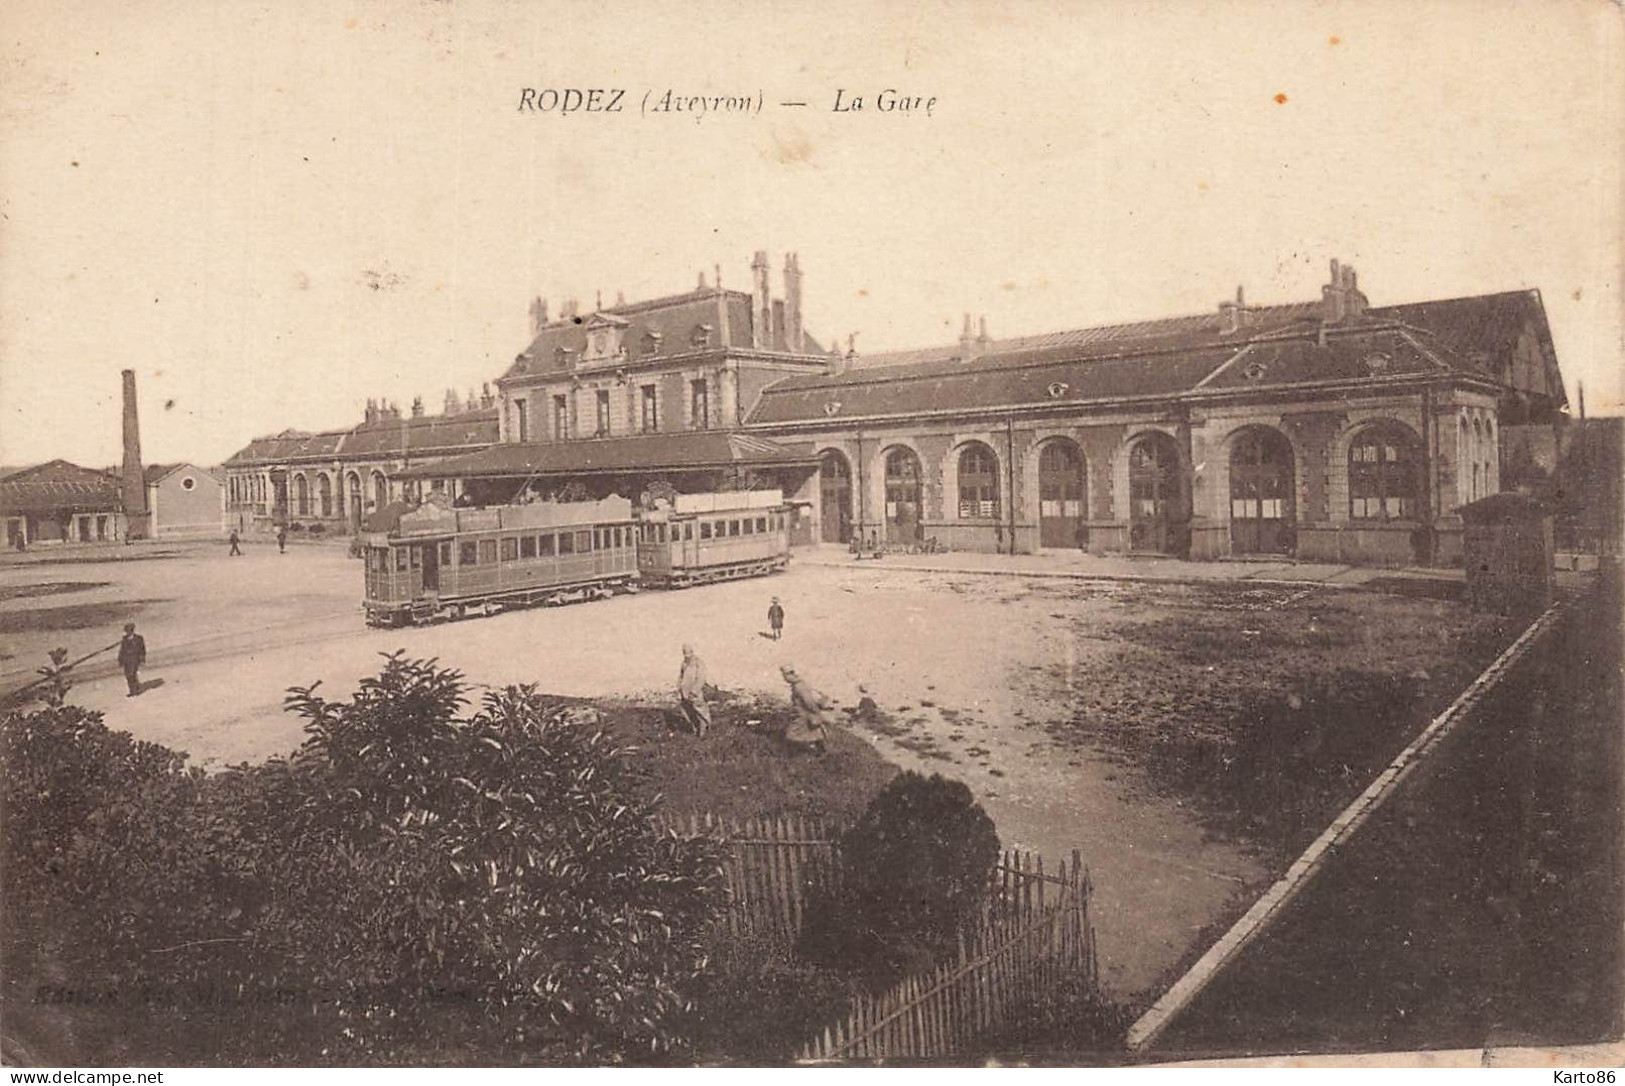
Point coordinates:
[[483, 885]]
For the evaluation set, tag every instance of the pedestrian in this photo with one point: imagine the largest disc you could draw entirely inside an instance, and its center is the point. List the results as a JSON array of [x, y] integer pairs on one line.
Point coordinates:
[[691, 692], [775, 618], [132, 653], [282, 539], [807, 730], [235, 549]]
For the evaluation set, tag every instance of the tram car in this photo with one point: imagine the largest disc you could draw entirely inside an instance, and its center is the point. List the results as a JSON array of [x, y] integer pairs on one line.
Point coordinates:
[[439, 562], [694, 539]]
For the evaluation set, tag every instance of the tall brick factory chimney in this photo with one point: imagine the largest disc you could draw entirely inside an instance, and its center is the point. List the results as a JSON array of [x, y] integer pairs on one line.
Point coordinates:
[[135, 476]]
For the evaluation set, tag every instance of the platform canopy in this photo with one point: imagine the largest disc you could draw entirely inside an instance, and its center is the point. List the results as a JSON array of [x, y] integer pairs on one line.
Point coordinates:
[[643, 454]]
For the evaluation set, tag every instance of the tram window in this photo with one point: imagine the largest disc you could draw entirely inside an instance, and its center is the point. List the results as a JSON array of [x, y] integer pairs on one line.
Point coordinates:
[[544, 545], [761, 524], [567, 543], [467, 554], [445, 554], [688, 532], [750, 526], [417, 558], [705, 530], [733, 527], [488, 551], [616, 534], [510, 548], [584, 542], [527, 546], [400, 560], [380, 560]]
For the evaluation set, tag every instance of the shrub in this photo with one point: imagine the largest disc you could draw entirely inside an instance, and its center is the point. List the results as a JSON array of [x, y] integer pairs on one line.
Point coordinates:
[[318, 529], [915, 868], [410, 877]]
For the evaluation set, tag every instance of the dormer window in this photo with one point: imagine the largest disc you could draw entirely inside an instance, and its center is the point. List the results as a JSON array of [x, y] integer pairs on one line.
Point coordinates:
[[604, 333], [560, 356], [701, 336], [651, 343]]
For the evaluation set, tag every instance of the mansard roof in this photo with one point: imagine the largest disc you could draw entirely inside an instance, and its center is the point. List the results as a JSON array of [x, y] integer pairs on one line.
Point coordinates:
[[671, 321], [1499, 338]]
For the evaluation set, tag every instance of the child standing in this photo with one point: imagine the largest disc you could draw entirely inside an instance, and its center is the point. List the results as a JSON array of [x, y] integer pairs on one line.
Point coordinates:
[[775, 618]]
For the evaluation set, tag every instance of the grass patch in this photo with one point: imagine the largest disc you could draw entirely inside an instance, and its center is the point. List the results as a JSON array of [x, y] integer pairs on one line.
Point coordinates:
[[741, 770], [1267, 709]]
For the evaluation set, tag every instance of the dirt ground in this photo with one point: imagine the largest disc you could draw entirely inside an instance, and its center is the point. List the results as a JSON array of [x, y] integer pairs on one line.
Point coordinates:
[[1058, 703]]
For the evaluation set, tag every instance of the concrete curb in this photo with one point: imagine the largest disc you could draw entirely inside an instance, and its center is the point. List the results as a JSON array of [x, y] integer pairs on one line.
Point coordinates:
[[1264, 911]]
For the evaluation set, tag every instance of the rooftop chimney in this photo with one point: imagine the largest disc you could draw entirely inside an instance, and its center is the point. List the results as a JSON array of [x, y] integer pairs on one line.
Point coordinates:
[[761, 303], [454, 406], [780, 338], [1341, 298], [967, 341], [700, 286], [724, 325], [569, 310], [370, 415], [134, 483], [620, 299], [538, 314], [1233, 315], [795, 336], [417, 407], [486, 398], [981, 334]]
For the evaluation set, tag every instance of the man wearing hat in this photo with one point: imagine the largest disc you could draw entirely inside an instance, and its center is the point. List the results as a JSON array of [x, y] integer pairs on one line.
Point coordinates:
[[775, 618], [132, 653], [691, 692], [807, 730]]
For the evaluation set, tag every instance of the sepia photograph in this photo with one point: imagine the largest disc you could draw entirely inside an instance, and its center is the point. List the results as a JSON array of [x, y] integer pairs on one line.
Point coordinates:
[[948, 533]]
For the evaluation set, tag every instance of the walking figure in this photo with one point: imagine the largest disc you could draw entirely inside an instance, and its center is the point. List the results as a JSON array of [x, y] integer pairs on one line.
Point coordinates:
[[691, 692], [775, 618], [132, 653], [808, 728], [282, 539], [235, 549]]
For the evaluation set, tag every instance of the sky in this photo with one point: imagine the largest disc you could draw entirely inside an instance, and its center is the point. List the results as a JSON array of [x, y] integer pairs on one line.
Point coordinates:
[[274, 211]]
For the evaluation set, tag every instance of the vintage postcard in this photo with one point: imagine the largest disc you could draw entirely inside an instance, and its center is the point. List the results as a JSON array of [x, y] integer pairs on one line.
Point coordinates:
[[928, 533]]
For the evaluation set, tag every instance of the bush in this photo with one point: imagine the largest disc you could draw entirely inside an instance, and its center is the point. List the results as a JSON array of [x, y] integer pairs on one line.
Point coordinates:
[[915, 869], [318, 529], [410, 878]]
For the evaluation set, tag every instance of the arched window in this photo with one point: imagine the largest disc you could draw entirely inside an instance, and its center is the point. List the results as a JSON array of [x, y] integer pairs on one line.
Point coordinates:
[[978, 482], [1384, 474], [301, 495], [324, 493]]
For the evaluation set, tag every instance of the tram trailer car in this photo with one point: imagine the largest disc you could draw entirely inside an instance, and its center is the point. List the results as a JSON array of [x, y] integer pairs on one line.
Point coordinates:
[[445, 563], [702, 538]]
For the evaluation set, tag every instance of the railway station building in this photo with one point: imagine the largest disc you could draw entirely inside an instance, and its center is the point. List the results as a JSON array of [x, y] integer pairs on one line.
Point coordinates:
[[334, 478], [1326, 430]]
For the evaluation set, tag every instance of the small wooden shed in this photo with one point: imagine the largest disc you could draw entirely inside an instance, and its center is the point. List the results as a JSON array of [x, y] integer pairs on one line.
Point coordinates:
[[1508, 550]]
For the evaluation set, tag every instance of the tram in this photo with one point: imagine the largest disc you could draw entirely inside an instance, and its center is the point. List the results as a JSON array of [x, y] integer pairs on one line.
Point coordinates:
[[701, 538], [441, 563]]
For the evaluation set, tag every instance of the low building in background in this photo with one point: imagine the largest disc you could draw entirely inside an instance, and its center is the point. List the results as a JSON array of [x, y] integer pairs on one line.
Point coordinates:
[[184, 499], [57, 502]]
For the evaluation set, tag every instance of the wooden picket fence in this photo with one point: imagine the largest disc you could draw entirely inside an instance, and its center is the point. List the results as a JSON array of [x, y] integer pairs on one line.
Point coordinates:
[[774, 866], [1036, 934]]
